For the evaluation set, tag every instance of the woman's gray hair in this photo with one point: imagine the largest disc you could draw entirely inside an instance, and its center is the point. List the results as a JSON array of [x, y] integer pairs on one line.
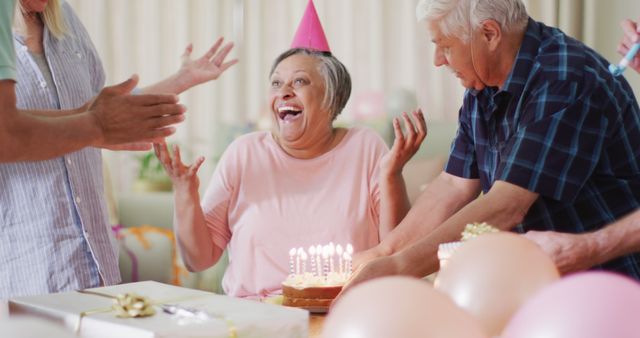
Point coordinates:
[[459, 17], [337, 80]]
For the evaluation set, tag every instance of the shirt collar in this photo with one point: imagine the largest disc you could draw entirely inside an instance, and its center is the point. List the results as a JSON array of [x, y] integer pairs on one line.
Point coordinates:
[[524, 60], [514, 85]]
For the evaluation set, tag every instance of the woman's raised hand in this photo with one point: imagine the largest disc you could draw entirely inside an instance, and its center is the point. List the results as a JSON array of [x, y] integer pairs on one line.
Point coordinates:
[[207, 67], [181, 175], [404, 147]]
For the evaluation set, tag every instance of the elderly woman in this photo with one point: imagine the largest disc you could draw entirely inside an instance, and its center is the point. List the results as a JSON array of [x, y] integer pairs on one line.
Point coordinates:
[[305, 183], [54, 228]]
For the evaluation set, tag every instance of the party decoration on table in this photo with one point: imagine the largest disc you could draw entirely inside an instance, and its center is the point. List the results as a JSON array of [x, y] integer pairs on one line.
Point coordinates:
[[583, 305], [316, 275], [180, 312], [130, 305], [493, 275], [398, 307], [474, 230], [189, 314]]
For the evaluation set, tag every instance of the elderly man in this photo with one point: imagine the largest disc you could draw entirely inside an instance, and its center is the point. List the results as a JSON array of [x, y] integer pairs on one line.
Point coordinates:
[[111, 118], [549, 136]]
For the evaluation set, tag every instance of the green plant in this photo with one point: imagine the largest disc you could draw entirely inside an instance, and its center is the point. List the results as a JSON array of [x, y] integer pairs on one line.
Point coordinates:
[[150, 168], [151, 175]]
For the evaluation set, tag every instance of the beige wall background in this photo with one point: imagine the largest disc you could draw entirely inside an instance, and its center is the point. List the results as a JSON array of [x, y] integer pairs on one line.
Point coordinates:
[[388, 54]]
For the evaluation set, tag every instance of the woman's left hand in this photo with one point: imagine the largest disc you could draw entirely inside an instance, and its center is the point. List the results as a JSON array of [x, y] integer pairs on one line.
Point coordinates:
[[206, 68], [404, 147]]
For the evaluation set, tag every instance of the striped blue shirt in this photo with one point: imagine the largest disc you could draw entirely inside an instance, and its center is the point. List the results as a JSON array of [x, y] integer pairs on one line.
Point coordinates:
[[54, 226], [561, 126]]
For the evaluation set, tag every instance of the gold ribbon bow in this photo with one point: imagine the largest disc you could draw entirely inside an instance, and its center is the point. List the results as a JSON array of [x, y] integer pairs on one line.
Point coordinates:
[[130, 305]]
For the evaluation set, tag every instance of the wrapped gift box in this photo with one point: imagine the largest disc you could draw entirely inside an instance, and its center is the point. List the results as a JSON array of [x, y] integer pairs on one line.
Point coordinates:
[[226, 317]]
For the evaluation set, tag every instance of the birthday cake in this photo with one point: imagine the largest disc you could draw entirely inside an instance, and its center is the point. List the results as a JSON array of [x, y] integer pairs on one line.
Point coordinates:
[[316, 276]]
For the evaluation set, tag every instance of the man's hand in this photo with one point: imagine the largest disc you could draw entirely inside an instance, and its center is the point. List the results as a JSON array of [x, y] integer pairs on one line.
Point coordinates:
[[124, 118], [379, 267], [569, 252], [363, 257]]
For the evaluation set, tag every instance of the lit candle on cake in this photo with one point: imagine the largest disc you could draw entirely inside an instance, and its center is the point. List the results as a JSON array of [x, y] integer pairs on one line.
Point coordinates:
[[304, 262], [318, 262], [325, 261], [332, 251], [347, 258], [292, 253], [298, 255], [339, 253], [312, 254]]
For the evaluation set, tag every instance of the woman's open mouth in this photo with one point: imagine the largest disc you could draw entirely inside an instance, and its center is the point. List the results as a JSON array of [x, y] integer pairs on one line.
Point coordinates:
[[289, 113]]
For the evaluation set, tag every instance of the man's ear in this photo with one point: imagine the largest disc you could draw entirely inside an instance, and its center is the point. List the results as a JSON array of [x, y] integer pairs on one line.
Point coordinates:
[[491, 34]]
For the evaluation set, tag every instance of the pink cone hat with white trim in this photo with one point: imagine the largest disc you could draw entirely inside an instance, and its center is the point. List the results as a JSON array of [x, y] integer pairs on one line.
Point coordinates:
[[310, 33]]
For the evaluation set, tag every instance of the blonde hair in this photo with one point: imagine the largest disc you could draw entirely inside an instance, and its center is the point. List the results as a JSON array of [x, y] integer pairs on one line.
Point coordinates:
[[52, 17]]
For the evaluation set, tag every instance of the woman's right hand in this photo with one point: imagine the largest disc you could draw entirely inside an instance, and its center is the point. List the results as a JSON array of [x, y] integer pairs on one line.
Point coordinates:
[[181, 175], [404, 146]]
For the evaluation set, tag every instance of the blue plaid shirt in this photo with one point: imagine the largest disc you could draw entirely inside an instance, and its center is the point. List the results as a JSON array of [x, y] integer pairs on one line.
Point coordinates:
[[561, 126]]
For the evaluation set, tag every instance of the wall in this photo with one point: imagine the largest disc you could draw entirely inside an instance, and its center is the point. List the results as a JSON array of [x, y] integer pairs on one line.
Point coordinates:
[[386, 51]]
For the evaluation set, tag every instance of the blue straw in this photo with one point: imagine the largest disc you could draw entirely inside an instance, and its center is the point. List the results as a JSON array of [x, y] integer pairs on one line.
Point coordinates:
[[617, 70]]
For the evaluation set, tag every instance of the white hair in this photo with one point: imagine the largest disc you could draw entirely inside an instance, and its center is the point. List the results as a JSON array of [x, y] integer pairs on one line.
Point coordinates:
[[459, 17]]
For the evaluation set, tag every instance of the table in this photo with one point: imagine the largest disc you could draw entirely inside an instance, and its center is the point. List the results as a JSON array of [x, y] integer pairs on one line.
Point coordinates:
[[315, 325]]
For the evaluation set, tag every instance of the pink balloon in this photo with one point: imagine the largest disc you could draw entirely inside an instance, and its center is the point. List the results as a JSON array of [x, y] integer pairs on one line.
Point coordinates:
[[493, 275], [583, 305], [398, 307]]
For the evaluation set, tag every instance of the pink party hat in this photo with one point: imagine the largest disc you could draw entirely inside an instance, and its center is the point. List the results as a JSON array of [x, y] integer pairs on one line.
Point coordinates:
[[310, 33]]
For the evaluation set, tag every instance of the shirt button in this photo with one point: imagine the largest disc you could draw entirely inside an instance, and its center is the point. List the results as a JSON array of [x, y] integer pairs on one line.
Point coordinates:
[[78, 200], [86, 235], [68, 161], [79, 55], [24, 48], [43, 84]]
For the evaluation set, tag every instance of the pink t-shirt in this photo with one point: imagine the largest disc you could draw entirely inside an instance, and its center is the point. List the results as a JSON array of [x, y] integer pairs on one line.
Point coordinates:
[[261, 202]]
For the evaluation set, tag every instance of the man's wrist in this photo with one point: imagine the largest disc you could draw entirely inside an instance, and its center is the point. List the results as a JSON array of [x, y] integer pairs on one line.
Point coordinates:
[[383, 249], [95, 132]]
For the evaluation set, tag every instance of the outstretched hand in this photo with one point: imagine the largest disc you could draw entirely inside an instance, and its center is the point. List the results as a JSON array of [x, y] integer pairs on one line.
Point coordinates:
[[207, 67], [377, 268], [181, 175], [124, 118], [404, 147]]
